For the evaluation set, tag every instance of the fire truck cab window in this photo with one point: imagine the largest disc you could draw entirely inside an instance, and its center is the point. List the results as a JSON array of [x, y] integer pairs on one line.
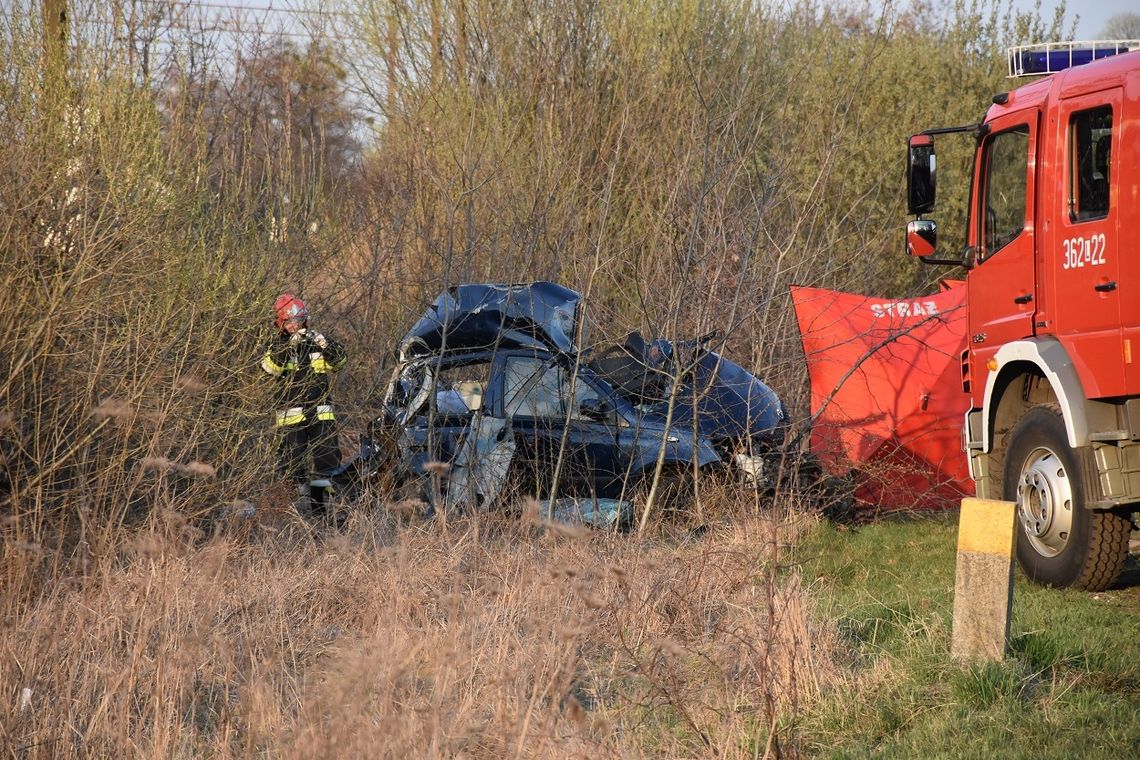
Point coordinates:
[[1007, 162], [1090, 153]]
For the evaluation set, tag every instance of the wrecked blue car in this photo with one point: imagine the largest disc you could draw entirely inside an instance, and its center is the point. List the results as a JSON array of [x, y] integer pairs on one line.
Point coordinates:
[[491, 387]]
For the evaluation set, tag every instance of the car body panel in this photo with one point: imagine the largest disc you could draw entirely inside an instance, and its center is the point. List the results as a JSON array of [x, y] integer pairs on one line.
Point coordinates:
[[726, 400]]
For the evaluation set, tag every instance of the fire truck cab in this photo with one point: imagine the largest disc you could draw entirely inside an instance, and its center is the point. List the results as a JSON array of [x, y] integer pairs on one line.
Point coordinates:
[[1052, 363]]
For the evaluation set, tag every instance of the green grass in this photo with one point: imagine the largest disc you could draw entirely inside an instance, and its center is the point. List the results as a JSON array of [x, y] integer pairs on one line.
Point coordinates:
[[1070, 686]]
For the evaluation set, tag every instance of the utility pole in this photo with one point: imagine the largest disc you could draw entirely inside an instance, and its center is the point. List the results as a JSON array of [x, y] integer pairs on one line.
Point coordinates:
[[393, 55], [436, 43], [55, 27], [461, 42]]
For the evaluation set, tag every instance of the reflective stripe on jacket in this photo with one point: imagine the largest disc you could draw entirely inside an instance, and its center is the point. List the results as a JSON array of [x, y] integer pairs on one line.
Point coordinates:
[[301, 372]]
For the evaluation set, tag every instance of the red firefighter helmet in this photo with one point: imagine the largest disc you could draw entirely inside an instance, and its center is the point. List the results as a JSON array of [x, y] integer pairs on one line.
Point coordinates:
[[288, 306]]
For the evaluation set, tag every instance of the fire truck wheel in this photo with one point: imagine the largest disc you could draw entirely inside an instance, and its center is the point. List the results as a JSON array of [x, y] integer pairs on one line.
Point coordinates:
[[1059, 542]]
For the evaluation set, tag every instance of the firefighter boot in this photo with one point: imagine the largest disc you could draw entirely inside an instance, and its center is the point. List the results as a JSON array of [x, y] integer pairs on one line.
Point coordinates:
[[302, 501], [321, 492]]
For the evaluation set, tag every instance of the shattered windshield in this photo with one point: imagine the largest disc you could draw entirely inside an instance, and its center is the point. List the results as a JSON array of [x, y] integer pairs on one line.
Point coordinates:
[[456, 389]]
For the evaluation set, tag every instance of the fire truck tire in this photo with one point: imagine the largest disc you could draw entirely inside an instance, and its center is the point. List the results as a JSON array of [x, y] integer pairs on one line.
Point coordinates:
[[1059, 541]]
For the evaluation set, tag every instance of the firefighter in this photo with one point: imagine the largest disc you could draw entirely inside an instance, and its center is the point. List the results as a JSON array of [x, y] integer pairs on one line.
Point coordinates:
[[302, 359]]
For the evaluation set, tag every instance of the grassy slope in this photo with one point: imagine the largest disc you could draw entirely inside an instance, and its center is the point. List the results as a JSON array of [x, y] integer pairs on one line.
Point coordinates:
[[1071, 687]]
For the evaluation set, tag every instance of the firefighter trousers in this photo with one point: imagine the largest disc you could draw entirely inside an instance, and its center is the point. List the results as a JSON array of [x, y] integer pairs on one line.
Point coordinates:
[[309, 441]]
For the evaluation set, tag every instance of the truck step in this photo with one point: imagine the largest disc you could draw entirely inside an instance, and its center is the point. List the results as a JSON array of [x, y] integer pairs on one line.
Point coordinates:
[[1111, 435]]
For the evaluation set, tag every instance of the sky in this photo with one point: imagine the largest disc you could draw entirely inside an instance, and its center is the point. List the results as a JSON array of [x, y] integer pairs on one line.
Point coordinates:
[[1093, 13], [278, 14]]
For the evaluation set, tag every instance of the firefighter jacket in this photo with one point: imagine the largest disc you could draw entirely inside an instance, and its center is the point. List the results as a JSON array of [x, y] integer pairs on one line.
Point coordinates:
[[302, 368]]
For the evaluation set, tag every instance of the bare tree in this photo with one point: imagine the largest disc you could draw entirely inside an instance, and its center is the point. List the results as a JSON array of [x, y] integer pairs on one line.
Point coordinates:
[[1122, 26]]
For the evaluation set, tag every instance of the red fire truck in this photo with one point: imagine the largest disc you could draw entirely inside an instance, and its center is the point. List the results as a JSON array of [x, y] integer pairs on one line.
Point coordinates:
[[1052, 364]]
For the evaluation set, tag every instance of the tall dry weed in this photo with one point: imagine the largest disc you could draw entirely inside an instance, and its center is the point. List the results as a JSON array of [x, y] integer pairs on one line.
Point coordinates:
[[483, 640]]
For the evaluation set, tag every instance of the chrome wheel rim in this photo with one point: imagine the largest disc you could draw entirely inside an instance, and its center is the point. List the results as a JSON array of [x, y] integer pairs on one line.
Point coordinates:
[[1045, 502]]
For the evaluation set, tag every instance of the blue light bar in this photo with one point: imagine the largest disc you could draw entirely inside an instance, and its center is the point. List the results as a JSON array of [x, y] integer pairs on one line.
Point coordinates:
[[1051, 57]]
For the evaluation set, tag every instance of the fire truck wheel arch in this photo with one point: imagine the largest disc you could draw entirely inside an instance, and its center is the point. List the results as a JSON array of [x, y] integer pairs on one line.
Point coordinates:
[[1048, 356]]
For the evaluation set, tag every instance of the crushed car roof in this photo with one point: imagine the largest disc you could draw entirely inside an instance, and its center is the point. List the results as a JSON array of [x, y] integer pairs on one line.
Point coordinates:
[[527, 315]]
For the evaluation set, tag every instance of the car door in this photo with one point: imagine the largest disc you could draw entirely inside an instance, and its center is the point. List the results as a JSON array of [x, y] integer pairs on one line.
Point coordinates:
[[601, 448], [441, 408], [1002, 285], [1088, 292], [543, 399]]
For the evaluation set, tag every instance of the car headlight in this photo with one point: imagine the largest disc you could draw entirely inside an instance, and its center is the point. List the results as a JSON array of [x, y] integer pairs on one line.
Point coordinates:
[[752, 467]]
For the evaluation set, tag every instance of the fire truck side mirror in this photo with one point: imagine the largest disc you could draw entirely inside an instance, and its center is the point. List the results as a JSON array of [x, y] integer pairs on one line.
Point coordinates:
[[921, 238], [920, 167]]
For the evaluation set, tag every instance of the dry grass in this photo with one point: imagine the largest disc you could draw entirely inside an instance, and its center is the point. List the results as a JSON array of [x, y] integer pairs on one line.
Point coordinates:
[[477, 637]]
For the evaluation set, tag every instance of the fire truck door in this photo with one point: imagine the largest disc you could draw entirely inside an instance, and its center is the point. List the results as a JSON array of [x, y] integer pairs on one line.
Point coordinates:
[[1002, 290], [1080, 247]]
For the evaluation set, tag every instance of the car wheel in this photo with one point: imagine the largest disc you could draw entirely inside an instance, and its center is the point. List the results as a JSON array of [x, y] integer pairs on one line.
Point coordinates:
[[1060, 542]]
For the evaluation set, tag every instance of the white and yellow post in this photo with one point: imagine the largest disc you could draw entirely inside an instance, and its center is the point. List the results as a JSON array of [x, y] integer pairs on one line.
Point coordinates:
[[983, 584]]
